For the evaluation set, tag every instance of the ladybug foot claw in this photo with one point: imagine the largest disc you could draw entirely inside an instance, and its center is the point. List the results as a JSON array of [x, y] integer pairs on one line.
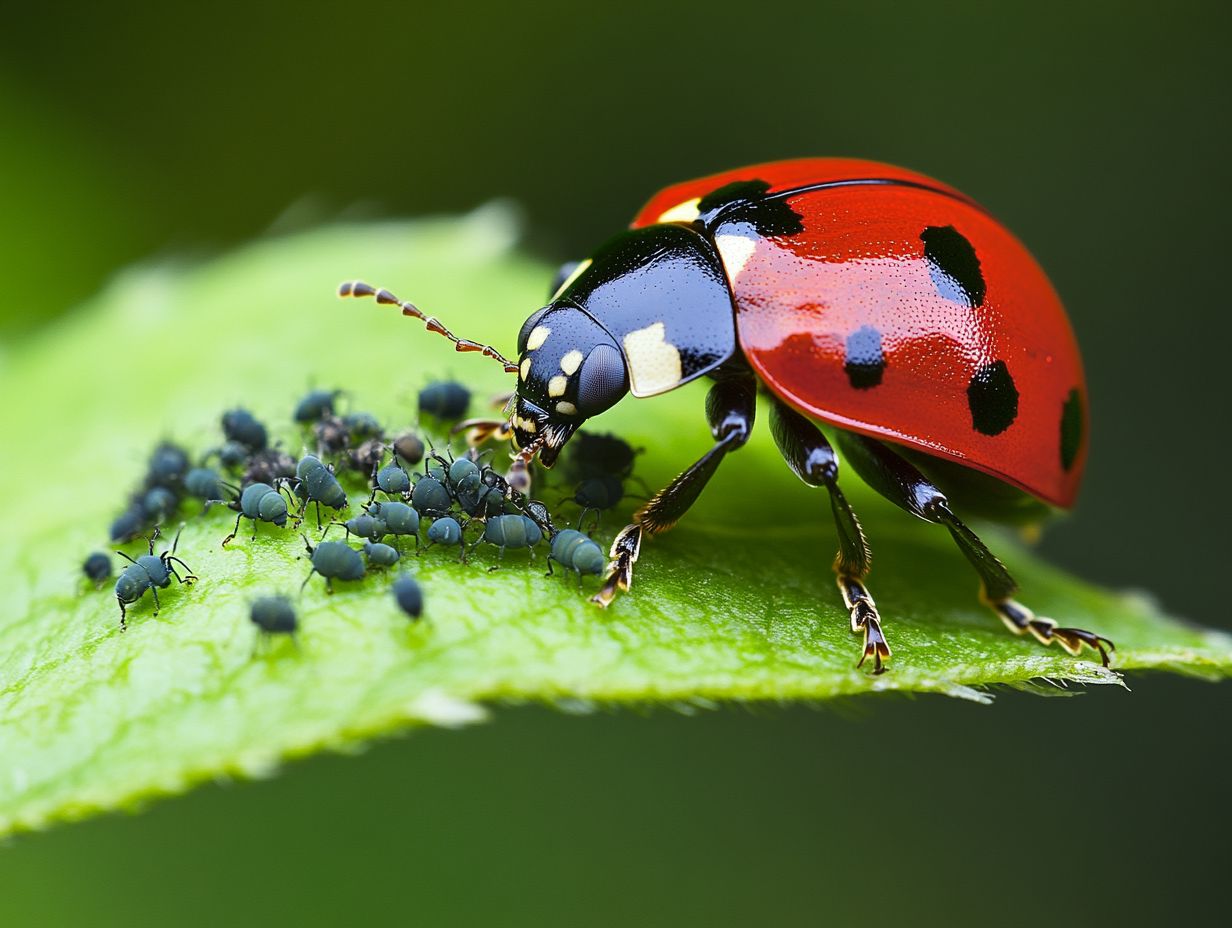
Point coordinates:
[[1019, 619], [875, 646], [624, 554], [1074, 639]]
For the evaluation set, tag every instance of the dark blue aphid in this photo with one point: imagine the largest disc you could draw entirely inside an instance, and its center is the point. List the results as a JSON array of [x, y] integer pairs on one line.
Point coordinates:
[[167, 466], [409, 447], [391, 480], [315, 404], [232, 455], [574, 551], [430, 497], [596, 454], [259, 502], [158, 504], [274, 615], [446, 531], [367, 457], [333, 560], [128, 524], [600, 493], [399, 519], [363, 425], [381, 555], [408, 595], [203, 483], [239, 425], [332, 435], [511, 531], [364, 525], [317, 484], [477, 498], [149, 572], [97, 567], [445, 399]]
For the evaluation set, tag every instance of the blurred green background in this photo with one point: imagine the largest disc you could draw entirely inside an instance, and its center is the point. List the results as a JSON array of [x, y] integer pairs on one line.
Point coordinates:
[[1098, 132]]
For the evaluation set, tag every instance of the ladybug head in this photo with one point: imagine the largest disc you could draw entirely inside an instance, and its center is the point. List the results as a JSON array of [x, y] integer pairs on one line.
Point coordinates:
[[569, 369]]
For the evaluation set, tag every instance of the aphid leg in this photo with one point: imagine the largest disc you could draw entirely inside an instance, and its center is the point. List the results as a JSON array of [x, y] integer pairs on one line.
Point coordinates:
[[384, 297], [550, 559], [811, 458], [189, 576], [230, 538], [500, 559], [731, 406], [318, 505], [902, 484], [123, 615], [306, 579], [157, 604]]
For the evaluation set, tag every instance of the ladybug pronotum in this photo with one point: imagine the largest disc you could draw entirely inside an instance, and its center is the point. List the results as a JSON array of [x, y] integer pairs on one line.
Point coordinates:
[[883, 303]]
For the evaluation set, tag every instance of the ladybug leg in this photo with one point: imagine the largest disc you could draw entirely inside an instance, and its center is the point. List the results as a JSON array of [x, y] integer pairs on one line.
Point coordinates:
[[730, 408], [902, 484], [810, 456]]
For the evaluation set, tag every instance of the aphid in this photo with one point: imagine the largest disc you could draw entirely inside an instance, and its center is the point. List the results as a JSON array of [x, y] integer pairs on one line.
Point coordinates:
[[381, 555], [575, 551], [447, 531], [333, 560], [444, 399], [957, 348], [430, 497], [367, 457], [128, 524], [231, 454], [332, 435], [272, 466], [597, 454], [599, 493], [273, 615], [409, 447], [167, 466], [391, 480], [363, 425], [239, 425], [149, 572], [511, 531], [408, 595], [97, 567], [259, 502], [398, 519], [158, 504], [315, 404], [364, 525], [203, 483], [477, 498], [317, 484]]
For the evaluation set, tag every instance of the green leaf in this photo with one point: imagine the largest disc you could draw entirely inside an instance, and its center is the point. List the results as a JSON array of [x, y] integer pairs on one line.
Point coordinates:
[[736, 603]]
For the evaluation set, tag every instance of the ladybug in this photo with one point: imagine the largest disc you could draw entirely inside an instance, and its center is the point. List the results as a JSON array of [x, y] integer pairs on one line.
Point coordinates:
[[878, 301]]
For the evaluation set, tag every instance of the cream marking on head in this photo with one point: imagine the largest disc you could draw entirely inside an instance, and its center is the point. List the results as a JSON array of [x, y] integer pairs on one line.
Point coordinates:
[[568, 282], [571, 362], [538, 335], [524, 370], [556, 386], [565, 408], [682, 212], [654, 365], [735, 251]]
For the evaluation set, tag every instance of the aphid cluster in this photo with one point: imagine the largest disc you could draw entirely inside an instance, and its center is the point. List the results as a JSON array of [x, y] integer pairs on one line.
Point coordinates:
[[456, 502]]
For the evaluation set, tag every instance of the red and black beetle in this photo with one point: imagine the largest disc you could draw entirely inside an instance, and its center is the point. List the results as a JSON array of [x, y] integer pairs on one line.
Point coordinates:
[[874, 299]]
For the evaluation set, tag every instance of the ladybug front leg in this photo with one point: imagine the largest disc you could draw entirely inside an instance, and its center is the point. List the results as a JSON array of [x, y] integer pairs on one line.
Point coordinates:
[[730, 408], [902, 484], [810, 456]]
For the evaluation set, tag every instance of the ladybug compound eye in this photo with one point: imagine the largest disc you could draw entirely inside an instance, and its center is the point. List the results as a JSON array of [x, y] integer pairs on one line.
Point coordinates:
[[528, 326], [602, 381]]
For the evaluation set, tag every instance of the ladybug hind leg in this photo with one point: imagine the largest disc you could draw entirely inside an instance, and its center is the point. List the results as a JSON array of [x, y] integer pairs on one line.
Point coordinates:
[[810, 456], [902, 484]]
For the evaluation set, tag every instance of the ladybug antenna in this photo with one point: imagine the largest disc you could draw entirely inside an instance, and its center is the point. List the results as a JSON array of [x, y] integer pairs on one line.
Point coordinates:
[[359, 288]]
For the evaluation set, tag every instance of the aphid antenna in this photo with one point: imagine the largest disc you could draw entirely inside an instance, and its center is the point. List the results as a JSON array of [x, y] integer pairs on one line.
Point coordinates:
[[357, 288]]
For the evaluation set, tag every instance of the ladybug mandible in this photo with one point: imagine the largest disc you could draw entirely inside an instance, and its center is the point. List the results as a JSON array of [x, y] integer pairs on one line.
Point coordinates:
[[874, 299]]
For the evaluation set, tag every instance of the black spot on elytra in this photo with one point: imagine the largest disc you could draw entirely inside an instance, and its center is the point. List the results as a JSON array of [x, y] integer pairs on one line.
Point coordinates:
[[864, 361], [993, 399], [748, 200], [953, 265], [1073, 428]]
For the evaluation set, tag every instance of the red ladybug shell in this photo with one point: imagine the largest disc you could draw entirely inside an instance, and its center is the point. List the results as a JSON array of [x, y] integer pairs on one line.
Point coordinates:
[[889, 304]]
